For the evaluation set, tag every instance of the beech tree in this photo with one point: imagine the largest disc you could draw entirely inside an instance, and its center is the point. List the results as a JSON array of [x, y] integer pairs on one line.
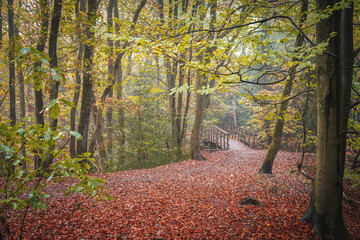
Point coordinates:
[[87, 92], [80, 9], [202, 100], [38, 82], [334, 78], [279, 124]]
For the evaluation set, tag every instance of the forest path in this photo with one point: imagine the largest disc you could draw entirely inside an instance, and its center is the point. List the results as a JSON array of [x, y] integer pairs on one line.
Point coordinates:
[[235, 145], [190, 200]]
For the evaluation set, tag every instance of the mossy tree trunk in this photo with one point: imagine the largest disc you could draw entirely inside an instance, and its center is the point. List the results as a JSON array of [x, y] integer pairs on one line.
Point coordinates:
[[279, 125]]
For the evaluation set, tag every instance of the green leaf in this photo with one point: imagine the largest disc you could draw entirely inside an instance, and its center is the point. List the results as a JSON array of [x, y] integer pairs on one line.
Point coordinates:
[[55, 111], [34, 200], [76, 134], [19, 175], [40, 69], [25, 50], [44, 60], [47, 135], [16, 162], [67, 102], [21, 132]]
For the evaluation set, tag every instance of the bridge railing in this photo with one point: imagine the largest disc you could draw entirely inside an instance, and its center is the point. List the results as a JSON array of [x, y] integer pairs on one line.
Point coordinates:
[[216, 135], [240, 134]]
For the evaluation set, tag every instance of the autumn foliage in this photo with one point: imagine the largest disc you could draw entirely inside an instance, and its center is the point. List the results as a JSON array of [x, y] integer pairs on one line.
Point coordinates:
[[189, 200]]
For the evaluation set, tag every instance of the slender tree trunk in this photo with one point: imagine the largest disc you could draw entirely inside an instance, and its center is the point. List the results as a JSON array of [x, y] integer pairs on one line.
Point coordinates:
[[12, 63], [171, 68], [22, 109], [333, 95], [109, 116], [234, 112], [196, 130], [171, 75], [53, 39], [179, 111], [118, 73], [87, 84], [118, 77], [279, 125], [79, 7], [304, 133], [202, 101], [38, 85], [1, 3], [21, 81], [54, 84], [97, 137], [187, 105]]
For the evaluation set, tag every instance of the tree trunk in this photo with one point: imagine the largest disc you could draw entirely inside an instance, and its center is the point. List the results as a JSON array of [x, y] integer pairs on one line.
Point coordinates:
[[234, 112], [171, 68], [53, 39], [39, 104], [97, 137], [279, 125], [109, 116], [118, 73], [11, 63], [54, 84], [325, 209], [87, 84], [79, 7], [187, 105], [22, 110], [118, 78], [203, 100], [1, 3]]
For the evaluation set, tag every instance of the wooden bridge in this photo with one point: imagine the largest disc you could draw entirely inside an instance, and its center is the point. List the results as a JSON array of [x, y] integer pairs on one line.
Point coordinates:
[[217, 138], [240, 134]]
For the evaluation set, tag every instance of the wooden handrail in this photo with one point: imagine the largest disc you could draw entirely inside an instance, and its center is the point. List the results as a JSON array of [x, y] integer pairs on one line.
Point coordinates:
[[217, 136], [243, 135]]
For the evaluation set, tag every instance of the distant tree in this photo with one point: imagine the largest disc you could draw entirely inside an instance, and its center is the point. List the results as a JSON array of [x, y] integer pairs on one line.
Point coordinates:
[[279, 124]]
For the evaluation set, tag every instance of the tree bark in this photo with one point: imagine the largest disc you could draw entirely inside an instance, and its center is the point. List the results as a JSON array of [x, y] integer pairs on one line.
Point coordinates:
[[118, 73], [54, 84], [39, 104], [79, 7], [279, 125], [12, 63], [109, 115], [97, 137], [203, 100], [53, 39], [333, 94], [87, 84], [1, 3], [118, 78]]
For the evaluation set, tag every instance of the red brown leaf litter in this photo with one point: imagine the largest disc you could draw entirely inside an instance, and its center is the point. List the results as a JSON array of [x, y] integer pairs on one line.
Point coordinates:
[[189, 200]]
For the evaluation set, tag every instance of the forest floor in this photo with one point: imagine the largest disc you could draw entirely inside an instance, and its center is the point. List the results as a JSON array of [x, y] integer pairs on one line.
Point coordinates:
[[220, 198]]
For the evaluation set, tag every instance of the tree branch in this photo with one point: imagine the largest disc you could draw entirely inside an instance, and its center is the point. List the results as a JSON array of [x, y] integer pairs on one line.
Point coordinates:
[[260, 22]]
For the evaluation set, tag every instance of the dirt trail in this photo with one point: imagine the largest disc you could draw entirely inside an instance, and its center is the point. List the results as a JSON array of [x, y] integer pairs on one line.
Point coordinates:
[[237, 146]]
